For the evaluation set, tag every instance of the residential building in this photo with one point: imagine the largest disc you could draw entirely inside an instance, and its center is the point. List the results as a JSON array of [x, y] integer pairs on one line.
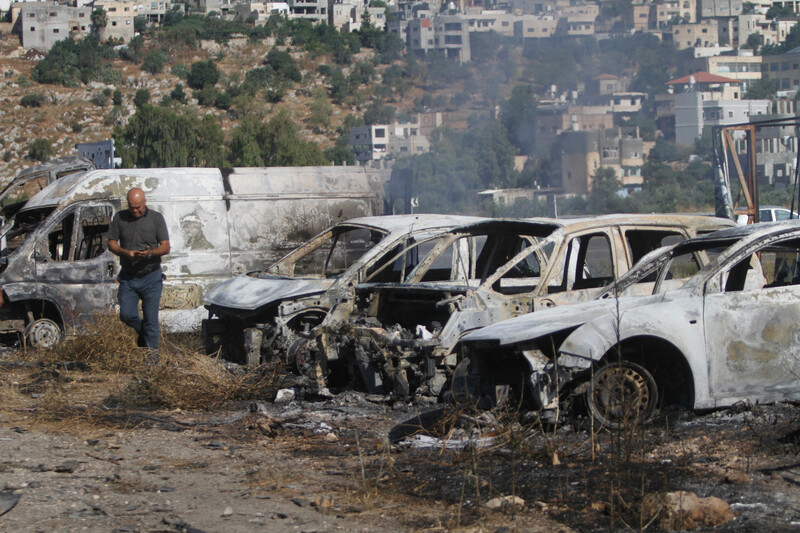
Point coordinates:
[[784, 70], [315, 10], [740, 64], [584, 152], [448, 33], [555, 118], [693, 114], [776, 147], [42, 25], [720, 8], [696, 34], [259, 9], [373, 144], [535, 26], [119, 16]]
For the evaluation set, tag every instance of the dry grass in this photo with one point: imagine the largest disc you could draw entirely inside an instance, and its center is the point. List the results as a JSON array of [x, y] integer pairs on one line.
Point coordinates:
[[98, 374]]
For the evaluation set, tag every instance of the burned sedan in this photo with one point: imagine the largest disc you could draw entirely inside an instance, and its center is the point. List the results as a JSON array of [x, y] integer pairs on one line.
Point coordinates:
[[255, 317], [398, 338], [727, 334]]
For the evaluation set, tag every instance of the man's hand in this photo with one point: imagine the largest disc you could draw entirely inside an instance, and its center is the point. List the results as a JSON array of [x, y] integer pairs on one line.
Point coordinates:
[[142, 254]]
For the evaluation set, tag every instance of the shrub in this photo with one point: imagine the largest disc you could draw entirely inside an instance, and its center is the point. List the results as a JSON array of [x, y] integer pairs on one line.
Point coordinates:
[[178, 94], [99, 99], [202, 73], [116, 98], [77, 127], [7, 156], [40, 150], [207, 95], [223, 101], [180, 70], [32, 100], [141, 97], [153, 62]]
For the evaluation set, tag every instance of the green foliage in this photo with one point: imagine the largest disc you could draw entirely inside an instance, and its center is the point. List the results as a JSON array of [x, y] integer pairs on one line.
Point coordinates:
[[76, 127], [777, 11], [24, 82], [754, 41], [99, 99], [178, 94], [224, 100], [791, 42], [32, 100], [283, 64], [207, 95], [274, 143], [603, 197], [378, 113], [116, 98], [763, 89], [321, 111], [518, 115], [99, 19], [180, 70], [139, 24], [7, 156], [71, 62], [160, 137], [133, 51], [202, 73], [141, 97], [153, 61], [40, 150]]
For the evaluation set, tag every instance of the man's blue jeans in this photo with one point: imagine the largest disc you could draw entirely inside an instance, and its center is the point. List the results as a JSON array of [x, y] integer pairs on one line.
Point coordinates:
[[148, 290]]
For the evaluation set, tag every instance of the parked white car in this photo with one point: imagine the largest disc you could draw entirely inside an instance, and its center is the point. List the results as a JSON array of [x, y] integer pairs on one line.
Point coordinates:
[[727, 334], [770, 213]]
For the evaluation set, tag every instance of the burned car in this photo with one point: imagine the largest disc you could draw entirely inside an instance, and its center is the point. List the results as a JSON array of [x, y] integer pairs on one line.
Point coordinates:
[[727, 334], [255, 317], [398, 338]]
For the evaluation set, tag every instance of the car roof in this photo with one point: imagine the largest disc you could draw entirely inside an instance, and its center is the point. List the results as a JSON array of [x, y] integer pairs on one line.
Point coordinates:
[[390, 223]]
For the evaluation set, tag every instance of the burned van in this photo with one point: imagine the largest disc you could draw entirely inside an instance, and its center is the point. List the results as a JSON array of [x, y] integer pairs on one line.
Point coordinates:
[[29, 181], [57, 270]]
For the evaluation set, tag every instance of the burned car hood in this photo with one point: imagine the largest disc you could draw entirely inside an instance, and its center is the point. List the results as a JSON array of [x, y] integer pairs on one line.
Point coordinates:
[[250, 293], [534, 325]]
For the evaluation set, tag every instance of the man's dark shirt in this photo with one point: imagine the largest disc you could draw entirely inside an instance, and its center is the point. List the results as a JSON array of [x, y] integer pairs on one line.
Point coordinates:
[[137, 234]]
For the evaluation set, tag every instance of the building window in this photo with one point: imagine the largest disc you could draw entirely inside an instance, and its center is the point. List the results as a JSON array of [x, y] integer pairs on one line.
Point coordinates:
[[33, 28], [53, 13], [452, 26], [113, 22], [404, 149], [55, 30], [81, 15], [31, 15], [380, 132]]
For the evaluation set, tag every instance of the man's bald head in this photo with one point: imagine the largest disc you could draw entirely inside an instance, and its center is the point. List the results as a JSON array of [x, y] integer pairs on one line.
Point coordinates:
[[136, 202]]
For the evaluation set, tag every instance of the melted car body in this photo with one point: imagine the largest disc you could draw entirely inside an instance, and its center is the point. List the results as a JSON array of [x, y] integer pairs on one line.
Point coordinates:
[[725, 335], [399, 337]]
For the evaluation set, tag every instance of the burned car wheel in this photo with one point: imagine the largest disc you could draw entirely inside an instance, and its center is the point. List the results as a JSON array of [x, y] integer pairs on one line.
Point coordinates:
[[43, 333], [621, 394]]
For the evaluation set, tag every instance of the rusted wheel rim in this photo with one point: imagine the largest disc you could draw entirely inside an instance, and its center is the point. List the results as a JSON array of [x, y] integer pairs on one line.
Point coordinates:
[[44, 333], [621, 394]]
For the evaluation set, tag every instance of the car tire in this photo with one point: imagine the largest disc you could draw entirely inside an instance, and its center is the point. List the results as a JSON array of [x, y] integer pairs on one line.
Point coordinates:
[[622, 394], [43, 334]]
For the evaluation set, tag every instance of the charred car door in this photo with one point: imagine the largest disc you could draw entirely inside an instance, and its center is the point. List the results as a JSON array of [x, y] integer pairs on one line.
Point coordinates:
[[750, 321], [71, 256]]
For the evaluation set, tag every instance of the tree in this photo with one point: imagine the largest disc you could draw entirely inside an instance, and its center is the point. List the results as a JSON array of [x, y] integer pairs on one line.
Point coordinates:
[[321, 112], [603, 197], [763, 89], [202, 73], [153, 62], [141, 97], [159, 137], [378, 113], [283, 64], [116, 98], [40, 150], [754, 41], [518, 115], [99, 19], [274, 143]]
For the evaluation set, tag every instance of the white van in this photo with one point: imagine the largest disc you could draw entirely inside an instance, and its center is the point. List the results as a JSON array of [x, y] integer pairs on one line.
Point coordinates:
[[57, 270]]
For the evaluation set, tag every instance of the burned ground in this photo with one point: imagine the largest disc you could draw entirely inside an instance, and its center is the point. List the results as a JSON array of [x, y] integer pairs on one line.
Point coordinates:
[[194, 447]]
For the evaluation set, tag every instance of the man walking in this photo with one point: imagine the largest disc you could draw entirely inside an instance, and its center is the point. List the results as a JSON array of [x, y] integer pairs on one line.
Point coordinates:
[[139, 237]]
